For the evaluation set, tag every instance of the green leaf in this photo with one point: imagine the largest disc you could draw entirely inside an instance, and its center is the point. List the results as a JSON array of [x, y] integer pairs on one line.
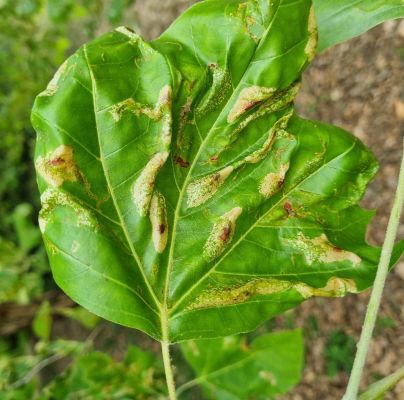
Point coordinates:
[[230, 369], [339, 353], [42, 323], [180, 193], [28, 234], [344, 19], [377, 390], [97, 376], [80, 315], [21, 276], [61, 347]]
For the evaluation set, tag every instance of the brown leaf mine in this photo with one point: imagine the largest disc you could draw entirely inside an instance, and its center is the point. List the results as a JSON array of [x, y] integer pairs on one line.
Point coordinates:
[[53, 85], [203, 189], [239, 293], [319, 249], [272, 182], [247, 99], [275, 132], [142, 191], [58, 166], [158, 219], [250, 15], [278, 100], [230, 295], [335, 287], [53, 198], [220, 87], [221, 234], [161, 111], [133, 36]]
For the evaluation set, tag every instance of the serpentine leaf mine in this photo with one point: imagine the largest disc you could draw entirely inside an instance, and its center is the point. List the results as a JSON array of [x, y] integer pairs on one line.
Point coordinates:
[[319, 249], [53, 198], [142, 191], [227, 296], [158, 219], [221, 234]]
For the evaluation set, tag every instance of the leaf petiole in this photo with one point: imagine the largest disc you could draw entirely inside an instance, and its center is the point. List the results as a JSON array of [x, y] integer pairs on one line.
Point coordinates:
[[168, 369]]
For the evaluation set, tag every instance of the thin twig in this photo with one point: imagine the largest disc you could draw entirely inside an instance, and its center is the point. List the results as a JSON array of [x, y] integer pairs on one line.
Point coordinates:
[[188, 385], [35, 370], [377, 292], [52, 359]]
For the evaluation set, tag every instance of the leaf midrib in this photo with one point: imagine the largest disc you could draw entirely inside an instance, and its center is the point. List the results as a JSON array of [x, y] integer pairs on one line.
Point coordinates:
[[220, 371], [192, 166], [110, 189]]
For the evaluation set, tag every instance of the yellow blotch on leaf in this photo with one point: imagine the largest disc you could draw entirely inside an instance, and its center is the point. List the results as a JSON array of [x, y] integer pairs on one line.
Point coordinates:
[[247, 99], [142, 191], [320, 249], [230, 295], [58, 166], [201, 190], [272, 182], [221, 234], [158, 219], [53, 198], [310, 49], [53, 85]]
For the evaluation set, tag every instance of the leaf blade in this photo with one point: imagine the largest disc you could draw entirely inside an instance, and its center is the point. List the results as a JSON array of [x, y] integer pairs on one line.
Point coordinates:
[[181, 195], [343, 20], [269, 365]]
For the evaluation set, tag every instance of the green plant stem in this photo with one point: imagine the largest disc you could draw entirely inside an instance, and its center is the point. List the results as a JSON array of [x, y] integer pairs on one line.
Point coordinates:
[[190, 384], [375, 298], [168, 369], [165, 350]]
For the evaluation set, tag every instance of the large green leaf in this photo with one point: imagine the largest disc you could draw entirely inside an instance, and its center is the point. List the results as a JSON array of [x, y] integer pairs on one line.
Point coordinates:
[[232, 369], [181, 195], [344, 19]]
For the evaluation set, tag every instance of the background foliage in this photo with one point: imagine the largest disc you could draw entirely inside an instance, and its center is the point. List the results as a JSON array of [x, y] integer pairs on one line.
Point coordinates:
[[36, 37]]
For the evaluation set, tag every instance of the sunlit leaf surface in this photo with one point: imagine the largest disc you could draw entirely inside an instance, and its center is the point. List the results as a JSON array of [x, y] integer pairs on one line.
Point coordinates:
[[230, 368], [344, 19], [181, 194]]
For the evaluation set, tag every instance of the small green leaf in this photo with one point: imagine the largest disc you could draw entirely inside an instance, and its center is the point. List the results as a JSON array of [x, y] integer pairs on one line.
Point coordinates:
[[80, 315], [42, 323], [344, 19], [231, 369], [181, 194], [61, 347], [28, 234], [377, 390], [97, 376]]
